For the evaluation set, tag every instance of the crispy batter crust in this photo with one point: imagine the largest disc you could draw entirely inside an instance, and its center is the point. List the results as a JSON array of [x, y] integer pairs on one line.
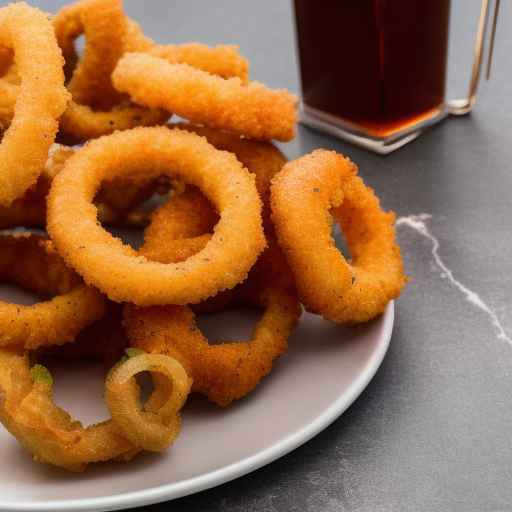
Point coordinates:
[[116, 268], [303, 194], [251, 110], [31, 262], [230, 370], [41, 99]]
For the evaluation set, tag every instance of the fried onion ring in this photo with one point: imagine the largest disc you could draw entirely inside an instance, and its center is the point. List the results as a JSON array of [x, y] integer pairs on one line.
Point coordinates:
[[183, 225], [104, 25], [230, 370], [31, 262], [303, 194], [117, 269], [157, 425], [263, 159], [251, 110], [41, 99], [28, 412], [97, 108]]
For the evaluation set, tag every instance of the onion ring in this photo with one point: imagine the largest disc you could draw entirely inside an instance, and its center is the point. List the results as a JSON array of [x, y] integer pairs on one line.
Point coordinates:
[[181, 227], [156, 426], [303, 193], [222, 264], [30, 261], [231, 370], [251, 110], [105, 25], [28, 412], [41, 99], [263, 159]]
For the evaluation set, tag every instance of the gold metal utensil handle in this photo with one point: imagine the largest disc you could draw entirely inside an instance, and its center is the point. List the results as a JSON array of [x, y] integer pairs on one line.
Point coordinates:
[[459, 107]]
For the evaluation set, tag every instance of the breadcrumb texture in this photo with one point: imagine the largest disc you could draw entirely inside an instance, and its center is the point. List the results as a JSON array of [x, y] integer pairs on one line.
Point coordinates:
[[103, 23], [303, 195], [41, 99], [97, 108], [222, 60], [183, 225], [31, 262], [117, 269], [230, 370], [82, 122], [251, 110]]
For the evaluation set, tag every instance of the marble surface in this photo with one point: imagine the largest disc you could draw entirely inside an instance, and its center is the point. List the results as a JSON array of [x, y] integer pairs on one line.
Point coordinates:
[[432, 431]]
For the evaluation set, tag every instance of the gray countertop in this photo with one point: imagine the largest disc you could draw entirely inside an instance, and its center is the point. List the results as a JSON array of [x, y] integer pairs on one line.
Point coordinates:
[[433, 429]]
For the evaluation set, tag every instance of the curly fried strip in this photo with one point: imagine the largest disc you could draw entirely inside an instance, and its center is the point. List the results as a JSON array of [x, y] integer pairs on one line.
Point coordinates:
[[230, 370], [251, 110], [41, 99], [222, 60], [104, 24], [29, 413], [157, 425], [303, 194], [31, 261], [222, 264]]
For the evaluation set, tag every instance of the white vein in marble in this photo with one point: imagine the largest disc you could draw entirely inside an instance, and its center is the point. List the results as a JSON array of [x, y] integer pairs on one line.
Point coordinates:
[[419, 224]]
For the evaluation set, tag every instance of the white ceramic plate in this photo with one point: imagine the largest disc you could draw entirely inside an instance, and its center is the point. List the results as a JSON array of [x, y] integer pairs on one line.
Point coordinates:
[[325, 370]]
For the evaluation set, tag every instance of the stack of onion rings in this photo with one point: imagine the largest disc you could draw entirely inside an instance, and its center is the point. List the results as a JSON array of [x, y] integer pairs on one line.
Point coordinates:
[[123, 274], [227, 371], [239, 227], [97, 108]]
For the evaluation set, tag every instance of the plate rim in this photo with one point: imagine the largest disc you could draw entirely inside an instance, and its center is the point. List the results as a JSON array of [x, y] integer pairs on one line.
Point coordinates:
[[228, 473]]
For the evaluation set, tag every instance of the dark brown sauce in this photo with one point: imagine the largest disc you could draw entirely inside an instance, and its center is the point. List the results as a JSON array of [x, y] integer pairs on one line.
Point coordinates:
[[380, 64]]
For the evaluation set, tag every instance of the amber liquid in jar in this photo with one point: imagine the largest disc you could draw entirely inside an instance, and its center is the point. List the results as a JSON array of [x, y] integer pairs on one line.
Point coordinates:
[[379, 64]]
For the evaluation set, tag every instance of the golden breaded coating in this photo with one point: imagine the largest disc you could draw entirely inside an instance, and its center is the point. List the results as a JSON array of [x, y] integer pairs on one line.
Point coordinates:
[[230, 370], [303, 195], [180, 228], [31, 262], [252, 110], [103, 23], [222, 60], [117, 269], [41, 99]]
